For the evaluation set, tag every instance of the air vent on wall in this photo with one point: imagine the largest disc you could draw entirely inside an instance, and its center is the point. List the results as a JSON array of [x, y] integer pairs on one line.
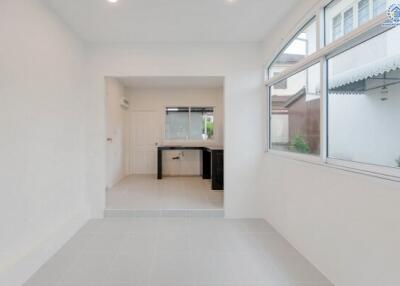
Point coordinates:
[[125, 102]]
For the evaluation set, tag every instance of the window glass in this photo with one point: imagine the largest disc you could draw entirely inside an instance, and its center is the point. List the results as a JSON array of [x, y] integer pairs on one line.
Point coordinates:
[[304, 44], [351, 13], [379, 7], [189, 123], [337, 26], [364, 102], [201, 123], [348, 21], [363, 11], [282, 84], [295, 113], [177, 123]]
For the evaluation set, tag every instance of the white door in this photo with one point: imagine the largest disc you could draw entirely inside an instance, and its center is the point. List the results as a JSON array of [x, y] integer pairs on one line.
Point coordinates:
[[145, 138]]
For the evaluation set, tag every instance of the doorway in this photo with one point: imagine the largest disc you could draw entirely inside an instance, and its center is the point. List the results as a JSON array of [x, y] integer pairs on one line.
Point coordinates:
[[148, 113]]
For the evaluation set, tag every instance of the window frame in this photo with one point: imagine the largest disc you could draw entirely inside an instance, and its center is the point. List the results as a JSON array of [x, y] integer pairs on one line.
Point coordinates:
[[372, 28], [293, 37]]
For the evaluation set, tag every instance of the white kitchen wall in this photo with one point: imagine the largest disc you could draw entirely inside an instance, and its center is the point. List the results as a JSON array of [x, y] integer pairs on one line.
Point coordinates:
[[240, 65], [346, 224], [43, 107], [117, 131], [156, 99]]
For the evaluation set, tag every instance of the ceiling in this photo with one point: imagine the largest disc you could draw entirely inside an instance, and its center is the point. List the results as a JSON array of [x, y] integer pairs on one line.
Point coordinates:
[[152, 21], [172, 82]]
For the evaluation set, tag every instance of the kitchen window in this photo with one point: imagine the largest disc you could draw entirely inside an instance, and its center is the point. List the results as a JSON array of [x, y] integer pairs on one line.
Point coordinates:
[[189, 123]]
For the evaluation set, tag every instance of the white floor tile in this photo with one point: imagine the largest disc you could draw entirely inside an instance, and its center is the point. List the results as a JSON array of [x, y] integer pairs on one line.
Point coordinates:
[[178, 251], [145, 192]]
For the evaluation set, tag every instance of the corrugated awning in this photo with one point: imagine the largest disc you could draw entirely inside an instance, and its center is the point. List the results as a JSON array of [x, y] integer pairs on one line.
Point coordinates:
[[369, 70]]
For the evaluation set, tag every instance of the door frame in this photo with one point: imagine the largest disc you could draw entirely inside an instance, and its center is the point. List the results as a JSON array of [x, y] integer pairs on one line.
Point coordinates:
[[130, 166]]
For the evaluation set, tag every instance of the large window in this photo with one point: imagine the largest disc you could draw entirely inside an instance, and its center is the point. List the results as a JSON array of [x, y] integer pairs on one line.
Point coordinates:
[[189, 123], [295, 116], [343, 102], [342, 16], [364, 102], [302, 45]]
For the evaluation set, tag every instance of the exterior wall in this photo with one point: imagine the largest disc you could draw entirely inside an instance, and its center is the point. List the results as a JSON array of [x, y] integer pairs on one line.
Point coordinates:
[[304, 118], [294, 84], [279, 128], [43, 109], [363, 128], [343, 5]]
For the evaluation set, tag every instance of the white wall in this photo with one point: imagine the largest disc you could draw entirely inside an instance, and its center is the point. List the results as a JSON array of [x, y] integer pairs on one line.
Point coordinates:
[[156, 99], [241, 66], [346, 224], [43, 145], [118, 131]]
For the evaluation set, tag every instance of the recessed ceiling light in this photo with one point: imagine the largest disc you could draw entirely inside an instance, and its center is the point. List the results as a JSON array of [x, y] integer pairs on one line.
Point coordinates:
[[112, 1]]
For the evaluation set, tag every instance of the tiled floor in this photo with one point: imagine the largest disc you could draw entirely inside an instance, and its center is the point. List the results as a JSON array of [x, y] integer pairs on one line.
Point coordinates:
[[171, 193], [177, 252]]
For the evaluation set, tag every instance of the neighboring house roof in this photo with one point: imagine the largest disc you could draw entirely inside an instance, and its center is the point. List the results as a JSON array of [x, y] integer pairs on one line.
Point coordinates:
[[293, 99], [278, 103], [288, 59], [279, 98], [366, 71]]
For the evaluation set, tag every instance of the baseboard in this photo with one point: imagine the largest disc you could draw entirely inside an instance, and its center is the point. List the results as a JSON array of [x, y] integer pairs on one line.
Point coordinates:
[[116, 181], [28, 263], [211, 213]]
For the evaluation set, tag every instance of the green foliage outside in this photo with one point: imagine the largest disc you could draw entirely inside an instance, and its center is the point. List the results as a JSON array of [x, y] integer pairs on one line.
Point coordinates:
[[300, 145], [208, 125], [210, 129]]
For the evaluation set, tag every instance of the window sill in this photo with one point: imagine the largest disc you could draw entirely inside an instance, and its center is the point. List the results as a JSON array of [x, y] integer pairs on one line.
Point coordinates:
[[387, 173], [190, 142], [315, 159], [380, 172]]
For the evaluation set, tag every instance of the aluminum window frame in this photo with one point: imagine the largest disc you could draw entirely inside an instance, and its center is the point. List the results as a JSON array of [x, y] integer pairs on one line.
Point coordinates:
[[293, 37], [189, 139], [324, 52]]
